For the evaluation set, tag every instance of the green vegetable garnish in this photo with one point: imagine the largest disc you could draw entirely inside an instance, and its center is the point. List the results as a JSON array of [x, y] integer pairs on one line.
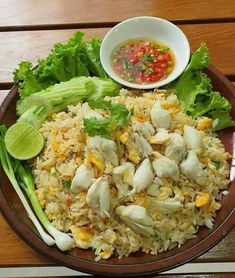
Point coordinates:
[[67, 185], [36, 108], [23, 141], [194, 90], [185, 156], [223, 119], [118, 117], [65, 61], [21, 178], [147, 57], [217, 164]]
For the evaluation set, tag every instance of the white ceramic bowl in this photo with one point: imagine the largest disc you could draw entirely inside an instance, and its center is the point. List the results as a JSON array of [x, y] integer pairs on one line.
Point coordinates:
[[152, 28]]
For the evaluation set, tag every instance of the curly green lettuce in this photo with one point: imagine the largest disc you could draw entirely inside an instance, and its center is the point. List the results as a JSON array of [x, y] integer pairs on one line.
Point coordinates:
[[193, 88], [65, 61]]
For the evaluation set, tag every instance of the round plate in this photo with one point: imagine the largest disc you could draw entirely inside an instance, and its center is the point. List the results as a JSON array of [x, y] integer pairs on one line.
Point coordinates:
[[137, 263]]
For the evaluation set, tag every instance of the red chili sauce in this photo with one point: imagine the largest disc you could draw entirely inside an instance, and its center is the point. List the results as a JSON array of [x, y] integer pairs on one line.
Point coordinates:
[[142, 61]]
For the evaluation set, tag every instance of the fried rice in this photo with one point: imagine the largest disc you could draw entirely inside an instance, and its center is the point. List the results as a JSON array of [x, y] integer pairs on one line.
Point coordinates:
[[65, 150]]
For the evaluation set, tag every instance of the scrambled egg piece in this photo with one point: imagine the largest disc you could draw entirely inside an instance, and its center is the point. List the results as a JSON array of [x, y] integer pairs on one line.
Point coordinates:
[[105, 254], [55, 145], [204, 123], [124, 137], [82, 238], [134, 156], [92, 159], [202, 199], [166, 105]]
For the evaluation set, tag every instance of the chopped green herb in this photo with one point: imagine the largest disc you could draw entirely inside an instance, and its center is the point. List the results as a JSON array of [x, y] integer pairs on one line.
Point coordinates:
[[118, 117], [217, 164], [147, 57], [141, 68], [127, 64], [144, 68], [185, 156], [67, 185], [164, 49], [149, 71]]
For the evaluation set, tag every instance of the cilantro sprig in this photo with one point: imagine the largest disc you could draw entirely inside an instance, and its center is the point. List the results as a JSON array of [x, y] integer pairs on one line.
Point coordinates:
[[119, 115]]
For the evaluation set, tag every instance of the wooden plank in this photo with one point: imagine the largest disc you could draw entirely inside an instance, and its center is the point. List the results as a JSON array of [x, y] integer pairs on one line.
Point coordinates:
[[18, 46], [224, 251], [33, 12], [31, 45], [201, 275], [220, 41], [3, 94], [217, 275], [14, 251]]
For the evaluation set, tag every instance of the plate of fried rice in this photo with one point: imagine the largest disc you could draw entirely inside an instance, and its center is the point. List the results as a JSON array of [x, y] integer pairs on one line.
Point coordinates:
[[151, 216], [159, 187]]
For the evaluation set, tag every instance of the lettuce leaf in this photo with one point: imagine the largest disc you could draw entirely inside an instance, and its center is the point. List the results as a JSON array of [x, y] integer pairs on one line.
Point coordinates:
[[199, 60], [200, 88], [92, 57], [222, 119], [65, 61], [28, 82], [206, 103], [194, 90], [192, 81]]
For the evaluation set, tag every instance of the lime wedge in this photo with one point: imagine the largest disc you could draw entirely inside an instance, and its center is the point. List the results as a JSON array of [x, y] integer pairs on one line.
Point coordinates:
[[23, 141]]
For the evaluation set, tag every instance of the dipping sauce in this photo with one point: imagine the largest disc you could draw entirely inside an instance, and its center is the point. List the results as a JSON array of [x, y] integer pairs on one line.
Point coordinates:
[[142, 61]]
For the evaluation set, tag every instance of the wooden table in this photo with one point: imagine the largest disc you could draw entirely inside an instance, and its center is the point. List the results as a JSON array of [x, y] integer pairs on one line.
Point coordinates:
[[29, 28]]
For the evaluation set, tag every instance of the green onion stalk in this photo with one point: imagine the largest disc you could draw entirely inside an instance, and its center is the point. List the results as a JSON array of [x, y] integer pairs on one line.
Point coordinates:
[[20, 177]]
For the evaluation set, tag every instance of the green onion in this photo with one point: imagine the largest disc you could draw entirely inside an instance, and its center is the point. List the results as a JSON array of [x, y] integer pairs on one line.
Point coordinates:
[[20, 177], [147, 57], [164, 49]]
